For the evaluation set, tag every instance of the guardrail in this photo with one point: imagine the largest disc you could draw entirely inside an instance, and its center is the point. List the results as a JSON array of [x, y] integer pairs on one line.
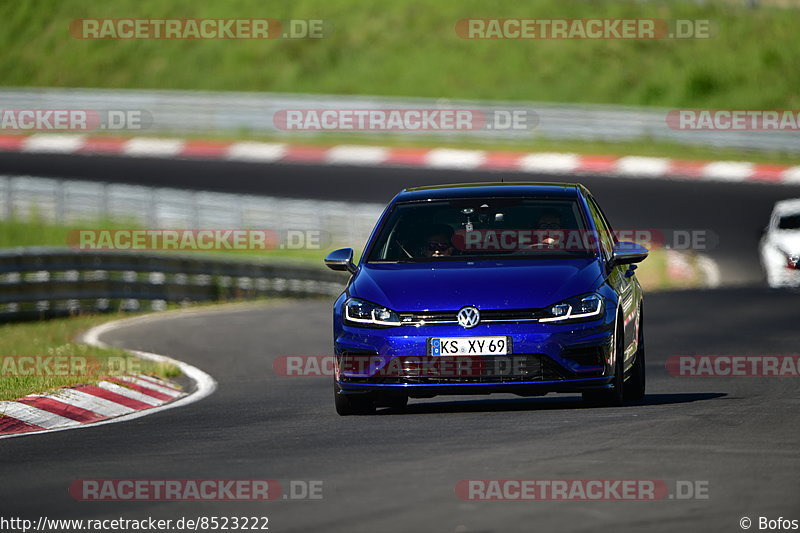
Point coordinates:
[[74, 201], [40, 283], [196, 112]]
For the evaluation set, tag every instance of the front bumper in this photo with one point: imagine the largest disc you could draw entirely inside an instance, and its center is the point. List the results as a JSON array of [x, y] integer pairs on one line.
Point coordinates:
[[545, 358]]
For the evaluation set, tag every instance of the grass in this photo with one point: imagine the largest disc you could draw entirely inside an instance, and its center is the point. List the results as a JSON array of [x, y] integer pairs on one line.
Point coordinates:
[[36, 231], [54, 338], [653, 273], [410, 48]]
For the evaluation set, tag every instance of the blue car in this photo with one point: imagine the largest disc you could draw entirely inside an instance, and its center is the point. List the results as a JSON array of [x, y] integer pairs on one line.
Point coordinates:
[[488, 288]]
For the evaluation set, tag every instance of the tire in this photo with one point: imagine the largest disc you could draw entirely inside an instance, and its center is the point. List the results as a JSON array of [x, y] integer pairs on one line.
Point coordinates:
[[634, 389], [346, 405], [615, 396]]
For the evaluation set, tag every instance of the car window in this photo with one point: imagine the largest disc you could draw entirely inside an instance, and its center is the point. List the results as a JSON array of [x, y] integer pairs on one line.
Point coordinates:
[[607, 238], [482, 228], [789, 222]]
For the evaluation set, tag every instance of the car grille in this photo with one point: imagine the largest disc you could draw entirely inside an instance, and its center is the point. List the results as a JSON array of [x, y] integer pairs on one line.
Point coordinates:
[[493, 369], [491, 316]]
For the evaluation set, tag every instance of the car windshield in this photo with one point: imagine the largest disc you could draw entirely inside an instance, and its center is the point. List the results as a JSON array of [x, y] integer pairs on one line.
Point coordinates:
[[789, 221], [483, 228]]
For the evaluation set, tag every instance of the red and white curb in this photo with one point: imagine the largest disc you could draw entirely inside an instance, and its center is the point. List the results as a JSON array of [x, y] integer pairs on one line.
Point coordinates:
[[440, 158], [113, 399], [110, 397]]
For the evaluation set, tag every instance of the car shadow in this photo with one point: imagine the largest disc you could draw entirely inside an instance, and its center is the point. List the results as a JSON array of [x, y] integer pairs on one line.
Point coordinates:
[[540, 404]]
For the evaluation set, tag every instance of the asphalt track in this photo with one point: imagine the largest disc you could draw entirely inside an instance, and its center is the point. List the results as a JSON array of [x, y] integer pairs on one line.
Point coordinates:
[[398, 471]]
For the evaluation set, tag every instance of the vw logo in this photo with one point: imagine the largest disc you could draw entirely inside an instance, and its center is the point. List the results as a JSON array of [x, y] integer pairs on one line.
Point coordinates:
[[469, 317]]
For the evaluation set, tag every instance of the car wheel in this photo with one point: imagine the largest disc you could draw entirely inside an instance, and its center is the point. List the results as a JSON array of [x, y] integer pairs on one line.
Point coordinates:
[[635, 386], [615, 395], [361, 404]]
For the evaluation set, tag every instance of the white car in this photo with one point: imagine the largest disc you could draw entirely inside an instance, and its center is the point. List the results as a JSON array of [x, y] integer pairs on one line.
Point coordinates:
[[780, 245]]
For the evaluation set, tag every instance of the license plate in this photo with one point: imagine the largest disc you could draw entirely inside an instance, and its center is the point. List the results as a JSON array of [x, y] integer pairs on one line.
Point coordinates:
[[470, 346]]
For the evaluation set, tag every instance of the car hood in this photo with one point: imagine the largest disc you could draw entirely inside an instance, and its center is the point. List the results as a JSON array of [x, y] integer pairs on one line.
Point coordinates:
[[442, 286]]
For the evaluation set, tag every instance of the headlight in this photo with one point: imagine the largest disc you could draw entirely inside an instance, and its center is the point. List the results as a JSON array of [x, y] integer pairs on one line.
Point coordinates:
[[578, 308], [364, 313], [792, 260]]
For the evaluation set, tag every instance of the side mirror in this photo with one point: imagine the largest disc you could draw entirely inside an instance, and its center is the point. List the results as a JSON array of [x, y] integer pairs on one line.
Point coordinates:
[[626, 253], [341, 259]]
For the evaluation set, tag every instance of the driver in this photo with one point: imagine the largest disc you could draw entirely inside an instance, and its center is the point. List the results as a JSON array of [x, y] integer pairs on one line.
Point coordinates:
[[439, 242], [548, 227]]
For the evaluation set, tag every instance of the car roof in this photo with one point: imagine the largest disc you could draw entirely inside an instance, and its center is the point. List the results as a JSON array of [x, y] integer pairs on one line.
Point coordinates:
[[785, 207], [489, 189]]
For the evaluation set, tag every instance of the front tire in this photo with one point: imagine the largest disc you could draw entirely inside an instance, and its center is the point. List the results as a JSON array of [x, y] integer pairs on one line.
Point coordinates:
[[635, 387]]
